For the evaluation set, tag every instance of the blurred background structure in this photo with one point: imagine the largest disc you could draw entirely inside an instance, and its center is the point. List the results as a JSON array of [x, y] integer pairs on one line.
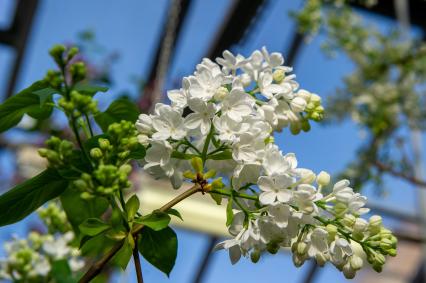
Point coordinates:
[[142, 48]]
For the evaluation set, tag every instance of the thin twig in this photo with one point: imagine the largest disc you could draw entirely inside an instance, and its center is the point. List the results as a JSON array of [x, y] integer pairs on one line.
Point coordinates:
[[410, 178], [137, 262], [97, 267]]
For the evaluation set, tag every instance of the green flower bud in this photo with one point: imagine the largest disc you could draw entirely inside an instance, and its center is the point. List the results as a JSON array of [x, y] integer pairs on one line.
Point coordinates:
[[306, 127], [210, 174], [80, 184], [96, 153], [197, 164], [331, 230], [295, 128], [86, 195], [349, 220], [217, 184], [189, 175], [43, 152], [255, 255], [302, 248], [72, 52], [340, 208], [104, 144], [57, 52], [356, 262]]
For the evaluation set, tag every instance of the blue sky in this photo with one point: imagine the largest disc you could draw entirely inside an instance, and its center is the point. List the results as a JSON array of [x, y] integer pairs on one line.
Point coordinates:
[[132, 28]]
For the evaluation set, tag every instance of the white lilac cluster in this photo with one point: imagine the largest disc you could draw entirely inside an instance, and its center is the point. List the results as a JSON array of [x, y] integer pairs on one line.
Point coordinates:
[[222, 120], [31, 259], [232, 107]]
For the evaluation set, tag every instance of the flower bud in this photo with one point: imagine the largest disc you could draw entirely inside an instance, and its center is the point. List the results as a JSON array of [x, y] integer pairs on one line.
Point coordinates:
[[306, 127], [255, 255], [57, 52], [143, 140], [356, 262], [323, 178], [349, 220], [217, 184], [375, 224], [360, 225], [96, 153], [104, 144], [315, 99], [340, 208], [331, 230], [386, 244], [302, 248], [278, 75], [189, 175], [295, 128], [348, 271], [306, 95], [197, 164], [321, 259], [298, 104], [210, 174], [272, 247]]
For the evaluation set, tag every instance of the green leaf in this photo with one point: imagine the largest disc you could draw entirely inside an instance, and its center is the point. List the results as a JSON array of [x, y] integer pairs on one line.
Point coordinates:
[[78, 209], [137, 153], [123, 256], [24, 102], [156, 220], [121, 109], [45, 95], [23, 199], [229, 212], [61, 272], [89, 89], [224, 155], [174, 212], [93, 227], [132, 206], [217, 198], [159, 248]]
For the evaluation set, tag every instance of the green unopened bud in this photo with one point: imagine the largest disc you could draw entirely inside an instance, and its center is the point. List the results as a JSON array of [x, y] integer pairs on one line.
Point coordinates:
[[217, 184], [375, 224], [86, 195], [278, 75], [269, 139], [255, 255], [72, 52], [189, 175], [210, 174], [315, 99], [124, 154], [332, 231], [302, 248], [340, 208], [392, 252], [272, 248], [80, 184], [57, 52], [349, 220], [306, 127], [104, 144], [321, 259], [295, 128], [65, 148], [197, 164], [323, 178], [43, 152], [386, 244], [86, 177], [96, 153], [356, 262]]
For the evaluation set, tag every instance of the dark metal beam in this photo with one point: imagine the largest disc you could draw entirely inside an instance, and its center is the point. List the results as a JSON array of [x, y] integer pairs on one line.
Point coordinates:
[[205, 262], [16, 37], [312, 272], [417, 11], [239, 18]]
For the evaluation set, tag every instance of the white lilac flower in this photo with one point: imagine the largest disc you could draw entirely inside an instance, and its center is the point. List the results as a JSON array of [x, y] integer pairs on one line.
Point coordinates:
[[168, 123], [305, 196], [275, 189], [202, 116], [237, 105]]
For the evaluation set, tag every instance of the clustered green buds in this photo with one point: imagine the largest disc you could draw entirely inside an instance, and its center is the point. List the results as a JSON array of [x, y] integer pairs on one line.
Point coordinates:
[[54, 218], [124, 137], [198, 177], [57, 151], [314, 109], [78, 104]]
